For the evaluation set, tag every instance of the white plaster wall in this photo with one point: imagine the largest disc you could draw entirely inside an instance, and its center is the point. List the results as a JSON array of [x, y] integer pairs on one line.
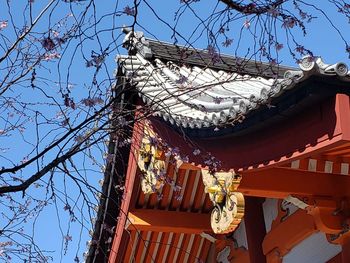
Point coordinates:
[[314, 249], [270, 212], [240, 235], [270, 208]]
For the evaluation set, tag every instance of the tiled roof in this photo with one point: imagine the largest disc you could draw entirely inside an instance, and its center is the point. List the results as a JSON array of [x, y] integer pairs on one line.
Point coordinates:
[[202, 58], [192, 91]]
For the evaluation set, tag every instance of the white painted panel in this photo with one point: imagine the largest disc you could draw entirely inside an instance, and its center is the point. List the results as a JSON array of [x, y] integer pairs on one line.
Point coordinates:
[[289, 207], [314, 249], [344, 168], [270, 212], [270, 208], [295, 164], [240, 235], [312, 165]]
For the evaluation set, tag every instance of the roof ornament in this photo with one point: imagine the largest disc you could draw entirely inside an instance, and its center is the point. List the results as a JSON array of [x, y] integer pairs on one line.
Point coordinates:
[[151, 163], [308, 64], [135, 42], [311, 64], [294, 74], [228, 211], [340, 68]]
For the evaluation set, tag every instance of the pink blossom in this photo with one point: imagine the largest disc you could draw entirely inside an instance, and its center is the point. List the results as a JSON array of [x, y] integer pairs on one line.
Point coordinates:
[[66, 207], [178, 197], [175, 151], [68, 238], [6, 243], [51, 56], [228, 42], [48, 43], [185, 159], [65, 122], [3, 24], [182, 79], [300, 49], [215, 57], [273, 12], [246, 23], [288, 23], [217, 100], [89, 102], [273, 62], [79, 138], [196, 152], [130, 11], [177, 188], [24, 160], [278, 46], [55, 33], [109, 157], [159, 196], [68, 102]]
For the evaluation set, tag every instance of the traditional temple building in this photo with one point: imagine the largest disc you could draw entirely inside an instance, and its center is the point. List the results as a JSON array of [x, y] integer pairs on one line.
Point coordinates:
[[240, 161]]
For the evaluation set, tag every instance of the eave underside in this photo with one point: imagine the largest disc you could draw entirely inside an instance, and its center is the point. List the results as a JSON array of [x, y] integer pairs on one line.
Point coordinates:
[[313, 144], [155, 243]]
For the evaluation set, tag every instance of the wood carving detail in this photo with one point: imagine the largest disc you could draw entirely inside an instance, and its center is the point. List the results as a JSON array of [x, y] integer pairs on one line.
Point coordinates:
[[228, 202], [151, 163]]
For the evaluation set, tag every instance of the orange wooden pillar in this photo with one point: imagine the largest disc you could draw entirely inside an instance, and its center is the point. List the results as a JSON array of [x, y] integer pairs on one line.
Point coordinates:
[[255, 228]]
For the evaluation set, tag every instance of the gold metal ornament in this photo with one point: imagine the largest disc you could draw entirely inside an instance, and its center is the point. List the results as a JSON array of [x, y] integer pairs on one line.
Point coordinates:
[[228, 203], [151, 163]]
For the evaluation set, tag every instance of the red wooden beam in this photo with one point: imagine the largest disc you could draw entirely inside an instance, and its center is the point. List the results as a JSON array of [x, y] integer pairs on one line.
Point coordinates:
[[169, 221], [281, 182]]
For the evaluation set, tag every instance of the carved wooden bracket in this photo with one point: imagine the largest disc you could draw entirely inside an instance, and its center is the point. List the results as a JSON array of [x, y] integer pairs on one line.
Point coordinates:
[[151, 163], [228, 202], [329, 215]]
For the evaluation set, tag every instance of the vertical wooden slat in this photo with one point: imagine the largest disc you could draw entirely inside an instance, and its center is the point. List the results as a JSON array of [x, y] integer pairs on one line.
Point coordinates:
[[146, 248], [179, 248], [167, 247]]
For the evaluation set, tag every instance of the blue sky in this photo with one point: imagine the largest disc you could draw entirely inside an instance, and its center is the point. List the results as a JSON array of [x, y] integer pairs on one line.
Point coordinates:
[[321, 37]]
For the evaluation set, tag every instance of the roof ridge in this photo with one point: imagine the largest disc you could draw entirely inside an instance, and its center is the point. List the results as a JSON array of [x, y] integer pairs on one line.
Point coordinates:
[[199, 50], [136, 42]]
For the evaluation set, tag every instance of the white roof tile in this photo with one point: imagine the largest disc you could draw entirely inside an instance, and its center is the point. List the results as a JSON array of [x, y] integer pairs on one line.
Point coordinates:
[[202, 96]]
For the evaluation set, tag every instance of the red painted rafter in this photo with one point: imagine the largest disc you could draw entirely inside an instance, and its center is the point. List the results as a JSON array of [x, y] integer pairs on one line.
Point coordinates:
[[169, 221]]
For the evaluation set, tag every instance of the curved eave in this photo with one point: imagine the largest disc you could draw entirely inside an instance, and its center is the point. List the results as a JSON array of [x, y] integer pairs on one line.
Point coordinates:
[[217, 98], [309, 92], [307, 127]]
